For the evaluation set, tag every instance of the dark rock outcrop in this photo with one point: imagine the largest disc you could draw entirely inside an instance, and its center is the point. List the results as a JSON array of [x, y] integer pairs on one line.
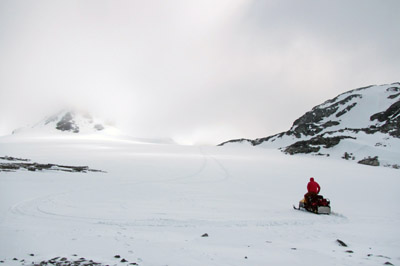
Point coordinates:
[[67, 123], [15, 166], [9, 158], [391, 112], [341, 243], [372, 161], [314, 144], [236, 141], [308, 124], [391, 119]]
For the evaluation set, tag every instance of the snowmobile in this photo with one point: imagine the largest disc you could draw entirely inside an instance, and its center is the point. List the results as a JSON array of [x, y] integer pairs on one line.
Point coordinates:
[[317, 204]]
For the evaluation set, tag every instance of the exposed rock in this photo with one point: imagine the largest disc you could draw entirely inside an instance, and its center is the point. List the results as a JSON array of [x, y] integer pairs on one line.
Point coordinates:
[[394, 96], [346, 156], [301, 147], [68, 262], [307, 125], [393, 89], [391, 112], [341, 243], [67, 123], [254, 142], [12, 167], [236, 141], [330, 124], [8, 158], [345, 110], [391, 117], [99, 127], [314, 144], [372, 161]]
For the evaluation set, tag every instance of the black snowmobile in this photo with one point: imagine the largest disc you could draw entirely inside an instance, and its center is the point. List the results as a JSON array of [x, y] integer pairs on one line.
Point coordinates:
[[316, 204]]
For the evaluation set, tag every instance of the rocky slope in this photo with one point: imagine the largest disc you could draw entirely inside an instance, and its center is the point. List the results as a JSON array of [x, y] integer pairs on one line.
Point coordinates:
[[361, 125]]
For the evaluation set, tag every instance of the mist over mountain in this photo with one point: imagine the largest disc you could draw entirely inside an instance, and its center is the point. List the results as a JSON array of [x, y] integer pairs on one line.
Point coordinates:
[[71, 121], [80, 124], [361, 125]]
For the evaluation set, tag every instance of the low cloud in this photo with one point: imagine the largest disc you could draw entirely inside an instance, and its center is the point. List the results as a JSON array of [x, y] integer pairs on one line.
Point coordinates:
[[200, 72]]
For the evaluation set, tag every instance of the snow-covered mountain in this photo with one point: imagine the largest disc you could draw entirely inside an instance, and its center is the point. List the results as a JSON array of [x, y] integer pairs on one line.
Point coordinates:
[[361, 125], [79, 125], [68, 121]]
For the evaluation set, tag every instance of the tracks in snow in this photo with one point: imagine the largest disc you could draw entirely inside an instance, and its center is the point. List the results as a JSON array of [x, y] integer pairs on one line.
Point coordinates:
[[114, 205]]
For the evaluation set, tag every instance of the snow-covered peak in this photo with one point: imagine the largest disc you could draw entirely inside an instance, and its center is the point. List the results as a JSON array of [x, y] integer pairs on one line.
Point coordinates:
[[359, 124], [79, 125], [72, 121], [68, 121]]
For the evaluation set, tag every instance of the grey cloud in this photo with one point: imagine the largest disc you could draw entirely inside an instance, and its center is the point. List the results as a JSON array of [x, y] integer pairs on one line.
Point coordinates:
[[201, 71]]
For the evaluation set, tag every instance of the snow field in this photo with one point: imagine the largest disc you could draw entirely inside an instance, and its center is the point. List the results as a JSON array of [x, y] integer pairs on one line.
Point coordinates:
[[156, 201]]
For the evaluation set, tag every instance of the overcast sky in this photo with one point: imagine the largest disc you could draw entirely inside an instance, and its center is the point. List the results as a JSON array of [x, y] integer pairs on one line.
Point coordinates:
[[197, 71]]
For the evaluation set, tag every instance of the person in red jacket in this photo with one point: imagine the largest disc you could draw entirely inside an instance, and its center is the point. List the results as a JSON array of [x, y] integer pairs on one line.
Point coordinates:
[[313, 189], [313, 186]]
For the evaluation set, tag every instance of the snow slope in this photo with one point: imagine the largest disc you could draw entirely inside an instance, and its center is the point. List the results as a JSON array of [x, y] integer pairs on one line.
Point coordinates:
[[155, 202], [362, 123]]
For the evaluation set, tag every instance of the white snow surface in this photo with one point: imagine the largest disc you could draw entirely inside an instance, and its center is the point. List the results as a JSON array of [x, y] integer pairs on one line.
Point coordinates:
[[155, 202]]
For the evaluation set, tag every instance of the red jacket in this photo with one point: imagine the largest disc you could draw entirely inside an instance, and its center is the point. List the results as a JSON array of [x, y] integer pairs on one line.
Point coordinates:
[[313, 186]]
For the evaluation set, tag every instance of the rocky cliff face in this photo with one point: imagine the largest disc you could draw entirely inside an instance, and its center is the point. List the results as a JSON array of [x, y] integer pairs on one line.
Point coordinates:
[[360, 121]]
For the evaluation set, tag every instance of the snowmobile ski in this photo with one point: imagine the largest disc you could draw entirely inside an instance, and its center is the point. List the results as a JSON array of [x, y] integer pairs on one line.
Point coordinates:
[[318, 210]]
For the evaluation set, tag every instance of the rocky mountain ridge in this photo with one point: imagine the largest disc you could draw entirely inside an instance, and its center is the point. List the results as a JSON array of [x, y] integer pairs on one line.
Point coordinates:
[[360, 120]]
